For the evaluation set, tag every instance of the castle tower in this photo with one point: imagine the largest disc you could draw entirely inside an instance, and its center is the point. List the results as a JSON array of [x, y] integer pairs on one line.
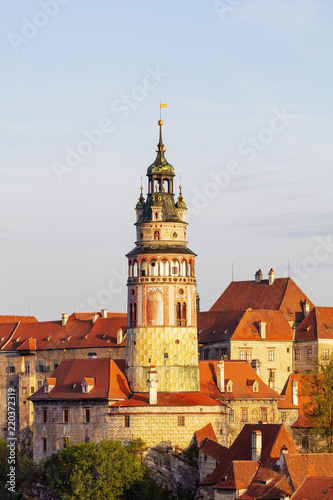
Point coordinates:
[[161, 289]]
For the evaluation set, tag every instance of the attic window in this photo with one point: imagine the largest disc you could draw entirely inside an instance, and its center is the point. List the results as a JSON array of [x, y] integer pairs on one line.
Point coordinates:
[[47, 339], [92, 355], [85, 337], [290, 313], [17, 339], [327, 327], [68, 338], [72, 386], [254, 332]]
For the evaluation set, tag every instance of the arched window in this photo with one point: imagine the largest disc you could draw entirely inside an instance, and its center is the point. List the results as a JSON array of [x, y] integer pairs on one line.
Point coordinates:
[[164, 267], [135, 269], [183, 268], [181, 314], [166, 185], [156, 234], [143, 268], [133, 314], [175, 267], [153, 267]]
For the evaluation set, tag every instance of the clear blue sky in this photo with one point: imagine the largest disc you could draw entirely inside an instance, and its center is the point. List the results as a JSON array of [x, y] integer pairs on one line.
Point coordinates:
[[249, 123]]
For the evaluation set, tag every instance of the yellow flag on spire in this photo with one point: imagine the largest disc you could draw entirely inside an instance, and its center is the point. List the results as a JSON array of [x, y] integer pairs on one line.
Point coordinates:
[[163, 105]]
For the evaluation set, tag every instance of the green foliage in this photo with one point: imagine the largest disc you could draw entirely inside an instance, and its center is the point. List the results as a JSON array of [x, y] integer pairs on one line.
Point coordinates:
[[318, 385], [4, 467], [93, 472]]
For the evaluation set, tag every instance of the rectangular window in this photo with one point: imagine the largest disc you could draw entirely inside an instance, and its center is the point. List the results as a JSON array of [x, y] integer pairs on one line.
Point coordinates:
[[11, 367], [242, 355], [326, 353], [309, 353], [244, 415], [40, 365], [271, 376], [248, 355], [11, 383], [231, 416], [65, 415], [181, 421], [288, 349], [32, 389], [39, 383], [127, 421], [44, 415], [271, 355], [55, 363], [217, 353], [283, 416], [44, 445], [206, 354], [27, 367], [297, 354], [87, 415], [24, 390], [166, 355], [264, 414]]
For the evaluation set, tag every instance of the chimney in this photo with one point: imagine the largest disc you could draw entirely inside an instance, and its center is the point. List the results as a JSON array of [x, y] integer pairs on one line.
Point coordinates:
[[104, 313], [271, 276], [220, 375], [120, 336], [256, 364], [306, 308], [256, 445], [258, 276], [64, 319], [294, 392], [262, 329], [152, 385], [94, 317]]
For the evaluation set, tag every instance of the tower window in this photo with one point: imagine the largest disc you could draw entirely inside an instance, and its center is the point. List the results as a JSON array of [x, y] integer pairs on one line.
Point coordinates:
[[133, 315], [166, 355], [181, 314], [156, 235], [127, 421]]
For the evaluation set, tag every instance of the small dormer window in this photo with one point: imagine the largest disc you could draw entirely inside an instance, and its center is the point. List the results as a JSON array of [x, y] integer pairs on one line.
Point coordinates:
[[229, 386]]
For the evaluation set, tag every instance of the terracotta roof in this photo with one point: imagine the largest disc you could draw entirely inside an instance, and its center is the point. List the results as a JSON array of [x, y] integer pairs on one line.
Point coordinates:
[[110, 382], [303, 399], [238, 372], [238, 476], [205, 432], [283, 295], [16, 319], [267, 484], [215, 326], [79, 332], [213, 449], [170, 399], [313, 464], [315, 488], [29, 344], [317, 325], [274, 437]]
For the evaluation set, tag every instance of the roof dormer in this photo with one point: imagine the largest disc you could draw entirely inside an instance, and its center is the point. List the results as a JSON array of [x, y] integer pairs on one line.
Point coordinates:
[[49, 384], [253, 384], [87, 384], [228, 385]]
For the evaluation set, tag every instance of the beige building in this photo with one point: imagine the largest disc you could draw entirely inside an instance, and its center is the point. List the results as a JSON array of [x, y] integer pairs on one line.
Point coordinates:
[[32, 350], [314, 339]]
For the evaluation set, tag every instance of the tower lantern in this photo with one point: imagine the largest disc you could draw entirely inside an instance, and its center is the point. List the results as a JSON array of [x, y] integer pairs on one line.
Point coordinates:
[[161, 288]]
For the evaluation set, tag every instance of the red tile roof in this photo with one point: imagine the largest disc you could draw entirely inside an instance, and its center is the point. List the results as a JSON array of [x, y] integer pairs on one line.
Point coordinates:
[[313, 464], [283, 295], [110, 382], [79, 332], [170, 399], [274, 437], [317, 325], [303, 399], [213, 449], [267, 484], [206, 432], [239, 372], [16, 319], [315, 488], [215, 326], [238, 476]]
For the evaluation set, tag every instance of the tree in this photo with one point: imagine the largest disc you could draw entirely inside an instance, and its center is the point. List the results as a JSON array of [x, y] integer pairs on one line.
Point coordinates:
[[91, 471], [318, 386]]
